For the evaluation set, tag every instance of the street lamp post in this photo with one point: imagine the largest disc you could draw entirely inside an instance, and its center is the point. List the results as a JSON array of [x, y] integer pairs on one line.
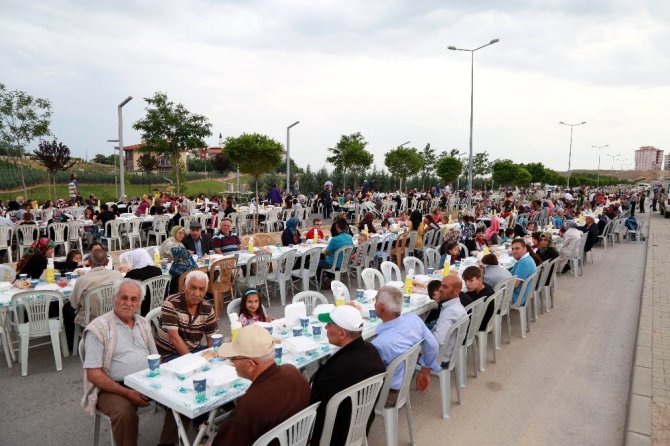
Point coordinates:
[[116, 183], [599, 149], [403, 145], [122, 154], [472, 88], [570, 153], [613, 158], [288, 157]]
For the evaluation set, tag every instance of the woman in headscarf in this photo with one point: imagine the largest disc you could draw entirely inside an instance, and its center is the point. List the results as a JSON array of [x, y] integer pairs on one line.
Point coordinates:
[[183, 261], [547, 250], [368, 222], [143, 269], [175, 240], [291, 235], [492, 234], [572, 237], [34, 261]]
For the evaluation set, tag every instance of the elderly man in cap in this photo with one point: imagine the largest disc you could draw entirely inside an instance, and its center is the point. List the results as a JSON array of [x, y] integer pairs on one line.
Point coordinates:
[[355, 361], [398, 333], [591, 230], [277, 392], [197, 242]]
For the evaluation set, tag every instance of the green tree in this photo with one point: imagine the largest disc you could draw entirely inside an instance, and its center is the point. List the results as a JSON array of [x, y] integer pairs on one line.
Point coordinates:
[[147, 163], [55, 157], [403, 162], [504, 172], [349, 154], [255, 154], [523, 177], [537, 171], [448, 168], [428, 157], [170, 129], [308, 184], [281, 168], [221, 164], [102, 159], [23, 118]]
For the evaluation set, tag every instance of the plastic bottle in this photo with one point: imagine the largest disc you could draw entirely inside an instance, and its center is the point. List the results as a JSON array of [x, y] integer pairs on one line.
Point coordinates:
[[51, 277], [316, 236], [446, 267], [146, 211], [157, 259], [340, 300], [251, 245], [235, 325], [409, 281]]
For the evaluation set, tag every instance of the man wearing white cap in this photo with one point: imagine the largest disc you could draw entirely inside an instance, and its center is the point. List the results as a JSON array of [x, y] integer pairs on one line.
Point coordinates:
[[355, 361], [277, 392]]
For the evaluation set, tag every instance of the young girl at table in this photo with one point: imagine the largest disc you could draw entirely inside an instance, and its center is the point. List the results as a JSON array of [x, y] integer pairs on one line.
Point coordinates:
[[72, 262], [251, 310]]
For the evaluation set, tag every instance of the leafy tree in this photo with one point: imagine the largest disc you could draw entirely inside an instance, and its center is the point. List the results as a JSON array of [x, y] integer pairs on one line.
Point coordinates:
[[170, 129], [281, 168], [308, 183], [504, 172], [523, 177], [221, 164], [349, 154], [448, 168], [321, 176], [255, 154], [23, 118], [403, 162], [54, 156], [481, 165], [102, 159], [538, 172], [428, 157], [147, 163]]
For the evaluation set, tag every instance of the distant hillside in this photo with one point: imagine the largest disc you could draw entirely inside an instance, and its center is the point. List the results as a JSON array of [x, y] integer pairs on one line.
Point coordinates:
[[630, 175]]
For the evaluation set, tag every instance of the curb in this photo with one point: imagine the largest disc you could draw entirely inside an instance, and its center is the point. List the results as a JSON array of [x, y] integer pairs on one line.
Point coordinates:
[[638, 418]]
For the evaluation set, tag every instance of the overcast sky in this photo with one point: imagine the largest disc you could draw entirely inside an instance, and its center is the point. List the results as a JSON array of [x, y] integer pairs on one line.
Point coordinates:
[[378, 67]]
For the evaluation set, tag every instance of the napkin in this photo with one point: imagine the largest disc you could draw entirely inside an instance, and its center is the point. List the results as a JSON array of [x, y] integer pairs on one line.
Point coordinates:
[[186, 364], [300, 344]]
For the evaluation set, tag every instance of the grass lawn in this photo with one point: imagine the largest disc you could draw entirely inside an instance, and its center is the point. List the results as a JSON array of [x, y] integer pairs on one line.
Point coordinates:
[[107, 192]]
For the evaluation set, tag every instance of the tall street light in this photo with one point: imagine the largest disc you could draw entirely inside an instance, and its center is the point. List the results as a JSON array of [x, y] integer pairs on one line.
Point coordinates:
[[572, 126], [288, 157], [613, 158], [116, 183], [599, 149], [122, 153], [472, 88]]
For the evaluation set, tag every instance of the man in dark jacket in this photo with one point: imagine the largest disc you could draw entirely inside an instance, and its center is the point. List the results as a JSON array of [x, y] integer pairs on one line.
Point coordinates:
[[591, 230], [355, 361], [197, 242]]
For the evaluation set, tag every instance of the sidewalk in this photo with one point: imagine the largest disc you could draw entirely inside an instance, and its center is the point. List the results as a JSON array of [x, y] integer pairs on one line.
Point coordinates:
[[649, 403]]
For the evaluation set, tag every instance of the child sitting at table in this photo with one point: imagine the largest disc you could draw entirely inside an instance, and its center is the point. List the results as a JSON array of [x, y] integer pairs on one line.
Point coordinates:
[[251, 310], [71, 262]]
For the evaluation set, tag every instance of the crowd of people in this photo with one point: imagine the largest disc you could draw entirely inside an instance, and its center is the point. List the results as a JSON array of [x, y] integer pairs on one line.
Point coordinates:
[[117, 343]]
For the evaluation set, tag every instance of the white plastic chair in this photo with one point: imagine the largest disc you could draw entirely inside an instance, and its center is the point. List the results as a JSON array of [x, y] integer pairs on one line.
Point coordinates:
[[234, 306], [366, 260], [410, 262], [6, 241], [535, 295], [160, 233], [371, 277], [384, 252], [550, 289], [283, 273], [105, 296], [74, 234], [431, 258], [256, 274], [342, 257], [459, 329], [311, 299], [507, 286], [26, 236], [158, 287], [113, 229], [476, 312], [152, 318], [390, 414], [483, 335], [339, 289], [295, 431], [58, 231], [363, 396], [522, 308], [36, 304], [308, 274], [133, 228], [125, 258], [391, 272]]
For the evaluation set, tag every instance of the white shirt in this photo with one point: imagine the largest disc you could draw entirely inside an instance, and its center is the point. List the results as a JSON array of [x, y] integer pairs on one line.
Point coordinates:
[[452, 311], [568, 196]]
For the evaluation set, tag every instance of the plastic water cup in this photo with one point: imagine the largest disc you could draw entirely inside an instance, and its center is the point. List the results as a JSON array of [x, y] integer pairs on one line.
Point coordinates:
[[154, 364], [207, 262], [200, 387], [316, 330], [360, 294], [407, 298], [373, 314], [34, 283], [457, 264], [431, 271], [23, 276], [217, 340], [304, 322], [278, 352], [297, 330]]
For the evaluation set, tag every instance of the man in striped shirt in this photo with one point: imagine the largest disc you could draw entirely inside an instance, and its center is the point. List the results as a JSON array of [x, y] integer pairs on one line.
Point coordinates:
[[225, 241], [185, 318]]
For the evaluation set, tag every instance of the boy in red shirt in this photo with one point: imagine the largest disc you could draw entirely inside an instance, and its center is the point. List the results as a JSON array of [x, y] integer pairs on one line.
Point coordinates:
[[316, 226]]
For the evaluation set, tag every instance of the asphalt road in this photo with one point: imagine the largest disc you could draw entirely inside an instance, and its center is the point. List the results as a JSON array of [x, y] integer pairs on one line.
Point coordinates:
[[565, 384]]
